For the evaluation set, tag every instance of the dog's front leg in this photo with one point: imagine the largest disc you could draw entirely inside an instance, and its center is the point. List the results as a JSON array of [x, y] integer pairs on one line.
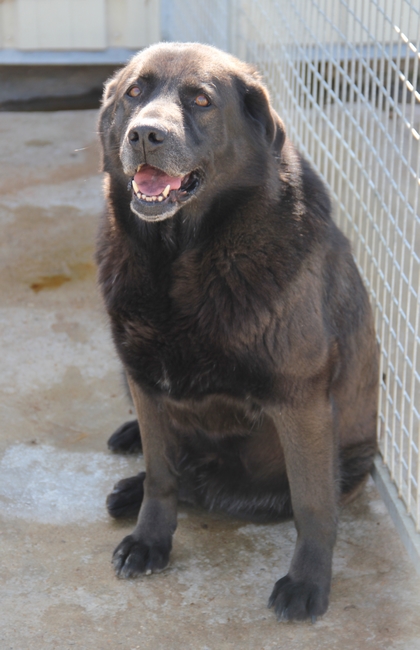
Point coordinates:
[[307, 436], [147, 549]]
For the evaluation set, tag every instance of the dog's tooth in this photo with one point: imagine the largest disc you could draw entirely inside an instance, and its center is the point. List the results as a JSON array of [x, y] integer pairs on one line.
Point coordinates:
[[139, 167], [154, 198], [143, 196], [136, 187], [160, 198], [166, 191], [149, 198]]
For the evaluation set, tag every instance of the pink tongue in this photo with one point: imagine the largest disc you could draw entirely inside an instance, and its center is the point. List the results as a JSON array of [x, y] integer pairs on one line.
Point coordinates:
[[152, 181]]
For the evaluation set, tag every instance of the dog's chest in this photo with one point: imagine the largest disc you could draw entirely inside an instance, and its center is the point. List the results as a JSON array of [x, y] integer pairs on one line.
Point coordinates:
[[181, 360], [189, 337]]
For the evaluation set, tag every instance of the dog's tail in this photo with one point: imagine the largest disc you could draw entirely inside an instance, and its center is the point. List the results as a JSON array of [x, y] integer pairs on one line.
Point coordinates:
[[355, 464]]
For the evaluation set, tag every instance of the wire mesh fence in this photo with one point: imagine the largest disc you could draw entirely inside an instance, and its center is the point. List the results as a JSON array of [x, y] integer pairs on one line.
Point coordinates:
[[345, 78]]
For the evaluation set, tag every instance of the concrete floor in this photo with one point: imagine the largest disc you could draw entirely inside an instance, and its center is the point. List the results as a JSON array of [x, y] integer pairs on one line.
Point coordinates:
[[61, 396]]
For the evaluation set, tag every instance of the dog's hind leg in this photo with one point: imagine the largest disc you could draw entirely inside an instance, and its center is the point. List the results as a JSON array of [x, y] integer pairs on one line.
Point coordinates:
[[126, 497], [126, 439]]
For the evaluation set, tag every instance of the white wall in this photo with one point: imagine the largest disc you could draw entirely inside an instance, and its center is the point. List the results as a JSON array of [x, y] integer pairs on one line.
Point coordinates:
[[35, 25]]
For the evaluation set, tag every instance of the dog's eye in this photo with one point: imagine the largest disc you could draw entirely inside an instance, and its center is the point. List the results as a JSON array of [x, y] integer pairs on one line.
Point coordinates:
[[202, 100], [134, 91]]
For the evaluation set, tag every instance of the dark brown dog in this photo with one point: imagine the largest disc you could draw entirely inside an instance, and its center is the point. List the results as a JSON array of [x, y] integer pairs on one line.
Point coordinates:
[[237, 311]]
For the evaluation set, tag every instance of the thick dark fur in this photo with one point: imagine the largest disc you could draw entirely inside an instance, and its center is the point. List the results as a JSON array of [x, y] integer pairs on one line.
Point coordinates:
[[239, 315]]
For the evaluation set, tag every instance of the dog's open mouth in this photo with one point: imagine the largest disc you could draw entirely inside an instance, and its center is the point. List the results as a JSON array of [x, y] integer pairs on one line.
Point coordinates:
[[152, 186]]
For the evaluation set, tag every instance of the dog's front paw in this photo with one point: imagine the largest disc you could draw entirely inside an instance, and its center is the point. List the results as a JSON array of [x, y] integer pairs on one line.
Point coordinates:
[[298, 600], [132, 557]]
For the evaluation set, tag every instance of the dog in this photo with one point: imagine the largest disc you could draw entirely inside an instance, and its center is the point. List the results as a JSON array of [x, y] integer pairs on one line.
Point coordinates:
[[238, 313]]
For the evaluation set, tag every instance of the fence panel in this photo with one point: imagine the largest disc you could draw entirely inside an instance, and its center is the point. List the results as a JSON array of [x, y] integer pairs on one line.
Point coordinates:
[[344, 75]]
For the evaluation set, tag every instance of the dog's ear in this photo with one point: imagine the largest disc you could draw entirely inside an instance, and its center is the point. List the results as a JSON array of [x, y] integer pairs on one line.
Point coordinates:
[[108, 96], [107, 113], [256, 102]]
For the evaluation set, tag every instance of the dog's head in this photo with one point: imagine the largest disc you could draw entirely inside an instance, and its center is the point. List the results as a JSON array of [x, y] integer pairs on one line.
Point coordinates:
[[183, 122]]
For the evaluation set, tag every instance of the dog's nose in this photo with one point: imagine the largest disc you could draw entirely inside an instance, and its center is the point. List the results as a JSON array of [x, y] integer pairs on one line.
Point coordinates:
[[149, 136]]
